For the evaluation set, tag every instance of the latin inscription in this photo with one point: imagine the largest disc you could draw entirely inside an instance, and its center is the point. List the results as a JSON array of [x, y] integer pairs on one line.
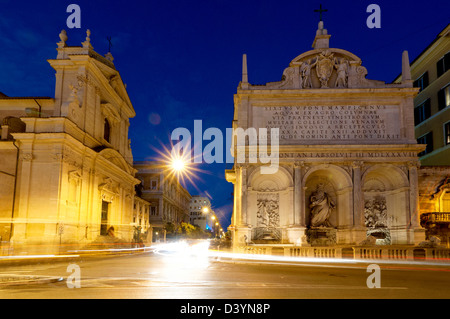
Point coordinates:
[[337, 122]]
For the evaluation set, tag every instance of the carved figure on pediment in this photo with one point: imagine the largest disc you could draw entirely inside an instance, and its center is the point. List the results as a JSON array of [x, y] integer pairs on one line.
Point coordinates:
[[305, 73], [324, 67], [288, 78], [321, 206], [342, 72]]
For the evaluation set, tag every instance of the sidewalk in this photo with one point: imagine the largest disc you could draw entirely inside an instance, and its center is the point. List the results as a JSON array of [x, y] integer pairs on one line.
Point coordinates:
[[70, 256]]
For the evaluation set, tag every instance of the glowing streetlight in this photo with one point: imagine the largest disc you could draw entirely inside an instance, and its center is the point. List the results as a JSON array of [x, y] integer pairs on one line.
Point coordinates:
[[205, 210], [178, 165]]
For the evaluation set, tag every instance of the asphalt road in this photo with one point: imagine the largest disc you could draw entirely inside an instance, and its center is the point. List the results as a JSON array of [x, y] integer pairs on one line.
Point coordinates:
[[181, 276]]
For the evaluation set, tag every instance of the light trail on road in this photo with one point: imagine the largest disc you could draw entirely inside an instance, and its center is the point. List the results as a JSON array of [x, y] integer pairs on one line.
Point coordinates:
[[202, 249]]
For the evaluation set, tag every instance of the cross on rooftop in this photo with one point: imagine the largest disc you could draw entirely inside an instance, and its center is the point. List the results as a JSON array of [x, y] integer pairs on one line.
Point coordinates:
[[320, 11], [109, 43]]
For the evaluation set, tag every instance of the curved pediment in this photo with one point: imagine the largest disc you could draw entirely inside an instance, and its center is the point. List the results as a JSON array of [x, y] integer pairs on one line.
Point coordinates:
[[116, 158], [337, 53], [327, 68]]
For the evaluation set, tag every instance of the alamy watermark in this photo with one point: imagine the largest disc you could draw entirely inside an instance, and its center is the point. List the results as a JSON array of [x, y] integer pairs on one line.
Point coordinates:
[[374, 19], [255, 145], [374, 280], [74, 279]]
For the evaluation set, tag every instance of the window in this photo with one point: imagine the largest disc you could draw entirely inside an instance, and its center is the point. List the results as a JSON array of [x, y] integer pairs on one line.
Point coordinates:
[[422, 112], [444, 97], [422, 82], [153, 185], [443, 64], [106, 131], [426, 139], [447, 133]]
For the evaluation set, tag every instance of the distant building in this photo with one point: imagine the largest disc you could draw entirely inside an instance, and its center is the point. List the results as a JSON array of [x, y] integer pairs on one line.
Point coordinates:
[[429, 72], [141, 218], [66, 173], [200, 212], [169, 200]]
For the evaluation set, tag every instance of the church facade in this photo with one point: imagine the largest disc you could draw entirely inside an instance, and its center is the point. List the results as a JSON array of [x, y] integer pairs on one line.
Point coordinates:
[[348, 164], [66, 161]]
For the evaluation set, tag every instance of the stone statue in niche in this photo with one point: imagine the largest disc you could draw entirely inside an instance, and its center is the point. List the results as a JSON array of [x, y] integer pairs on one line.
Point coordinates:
[[342, 72], [324, 68], [321, 206]]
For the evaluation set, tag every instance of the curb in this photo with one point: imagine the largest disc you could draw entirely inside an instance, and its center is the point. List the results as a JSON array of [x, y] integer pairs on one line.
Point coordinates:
[[30, 260], [26, 280]]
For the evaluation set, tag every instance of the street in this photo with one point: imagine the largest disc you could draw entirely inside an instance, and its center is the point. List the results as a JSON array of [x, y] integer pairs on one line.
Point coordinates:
[[175, 275]]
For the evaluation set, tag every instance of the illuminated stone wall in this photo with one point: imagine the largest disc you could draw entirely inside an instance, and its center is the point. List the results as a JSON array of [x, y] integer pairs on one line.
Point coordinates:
[[71, 165]]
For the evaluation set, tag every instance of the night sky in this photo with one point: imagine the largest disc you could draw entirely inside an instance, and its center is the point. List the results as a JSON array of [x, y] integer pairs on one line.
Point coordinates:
[[181, 60]]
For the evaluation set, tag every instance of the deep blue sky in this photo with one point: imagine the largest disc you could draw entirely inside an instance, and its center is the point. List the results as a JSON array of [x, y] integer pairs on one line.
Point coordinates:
[[181, 60]]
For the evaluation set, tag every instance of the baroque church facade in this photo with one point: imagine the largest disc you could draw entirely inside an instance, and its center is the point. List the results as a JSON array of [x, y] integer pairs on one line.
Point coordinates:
[[348, 164], [66, 161]]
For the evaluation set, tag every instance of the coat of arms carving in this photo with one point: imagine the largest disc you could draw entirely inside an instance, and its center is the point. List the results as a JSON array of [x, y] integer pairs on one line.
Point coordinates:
[[324, 67]]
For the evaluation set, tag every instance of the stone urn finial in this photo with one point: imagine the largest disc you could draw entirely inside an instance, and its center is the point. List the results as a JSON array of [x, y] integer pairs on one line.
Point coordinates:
[[63, 36]]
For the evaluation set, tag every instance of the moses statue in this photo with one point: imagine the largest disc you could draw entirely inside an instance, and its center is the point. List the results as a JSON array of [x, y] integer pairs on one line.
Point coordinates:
[[321, 206]]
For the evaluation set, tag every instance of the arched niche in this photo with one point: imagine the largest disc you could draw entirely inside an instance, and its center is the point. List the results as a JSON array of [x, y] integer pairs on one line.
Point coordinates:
[[337, 183], [388, 183], [275, 191]]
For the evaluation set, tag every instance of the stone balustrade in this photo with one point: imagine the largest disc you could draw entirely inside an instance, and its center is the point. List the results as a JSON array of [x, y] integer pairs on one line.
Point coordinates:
[[401, 253]]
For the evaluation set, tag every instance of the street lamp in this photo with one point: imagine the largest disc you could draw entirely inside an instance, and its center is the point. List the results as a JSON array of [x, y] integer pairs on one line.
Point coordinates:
[[205, 210], [178, 165]]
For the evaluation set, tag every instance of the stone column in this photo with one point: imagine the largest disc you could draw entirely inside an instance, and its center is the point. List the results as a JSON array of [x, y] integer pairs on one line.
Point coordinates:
[[418, 234], [242, 233], [296, 231], [413, 194], [358, 204], [297, 195], [244, 215], [237, 197]]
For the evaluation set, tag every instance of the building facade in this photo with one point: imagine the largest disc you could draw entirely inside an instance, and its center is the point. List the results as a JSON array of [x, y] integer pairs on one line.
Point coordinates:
[[169, 200], [66, 161], [141, 221], [430, 73], [345, 154], [200, 212]]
